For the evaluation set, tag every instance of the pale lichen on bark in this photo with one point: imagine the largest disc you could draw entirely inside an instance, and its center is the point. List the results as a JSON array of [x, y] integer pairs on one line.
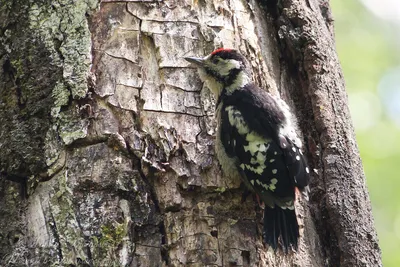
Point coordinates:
[[45, 56]]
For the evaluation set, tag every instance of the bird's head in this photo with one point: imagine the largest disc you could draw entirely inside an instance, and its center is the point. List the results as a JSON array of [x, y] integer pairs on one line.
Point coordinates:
[[222, 69]]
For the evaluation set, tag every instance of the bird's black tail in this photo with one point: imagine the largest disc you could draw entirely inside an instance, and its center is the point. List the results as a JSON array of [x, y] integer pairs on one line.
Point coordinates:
[[280, 222]]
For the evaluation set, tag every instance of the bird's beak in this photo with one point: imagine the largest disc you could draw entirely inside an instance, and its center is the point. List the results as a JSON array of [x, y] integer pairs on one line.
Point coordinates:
[[196, 61]]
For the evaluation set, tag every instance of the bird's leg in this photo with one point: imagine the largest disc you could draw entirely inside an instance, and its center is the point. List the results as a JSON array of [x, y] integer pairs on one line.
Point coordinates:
[[297, 194], [260, 203]]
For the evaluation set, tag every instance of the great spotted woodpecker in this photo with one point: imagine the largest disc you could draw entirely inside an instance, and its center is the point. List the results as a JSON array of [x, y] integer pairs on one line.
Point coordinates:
[[256, 138]]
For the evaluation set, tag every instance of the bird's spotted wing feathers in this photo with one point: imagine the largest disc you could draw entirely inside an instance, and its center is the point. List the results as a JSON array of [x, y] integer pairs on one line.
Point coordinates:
[[259, 157], [270, 168], [295, 162]]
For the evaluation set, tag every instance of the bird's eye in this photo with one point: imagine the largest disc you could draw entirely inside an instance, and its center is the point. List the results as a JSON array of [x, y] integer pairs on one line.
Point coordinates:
[[215, 60]]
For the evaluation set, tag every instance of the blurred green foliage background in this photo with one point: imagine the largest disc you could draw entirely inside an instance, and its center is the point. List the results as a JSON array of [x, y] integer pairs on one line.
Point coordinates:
[[368, 44]]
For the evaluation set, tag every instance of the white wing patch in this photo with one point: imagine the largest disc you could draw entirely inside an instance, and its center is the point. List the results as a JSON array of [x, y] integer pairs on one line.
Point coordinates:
[[236, 120], [257, 147]]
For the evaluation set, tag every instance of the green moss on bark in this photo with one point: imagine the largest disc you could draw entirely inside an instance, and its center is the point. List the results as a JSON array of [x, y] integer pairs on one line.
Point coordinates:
[[45, 54], [44, 63]]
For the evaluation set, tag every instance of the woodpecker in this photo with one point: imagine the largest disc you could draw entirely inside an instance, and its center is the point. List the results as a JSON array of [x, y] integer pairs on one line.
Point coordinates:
[[257, 140]]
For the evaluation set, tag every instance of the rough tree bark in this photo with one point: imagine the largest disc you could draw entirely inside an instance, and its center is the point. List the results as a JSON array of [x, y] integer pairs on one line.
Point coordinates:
[[106, 137]]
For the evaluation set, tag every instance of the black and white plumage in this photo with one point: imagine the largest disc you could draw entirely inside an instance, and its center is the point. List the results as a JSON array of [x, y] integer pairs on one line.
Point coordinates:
[[256, 138]]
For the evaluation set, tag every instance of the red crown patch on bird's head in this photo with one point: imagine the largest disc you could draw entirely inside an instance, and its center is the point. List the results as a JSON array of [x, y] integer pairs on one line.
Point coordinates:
[[228, 54], [221, 50]]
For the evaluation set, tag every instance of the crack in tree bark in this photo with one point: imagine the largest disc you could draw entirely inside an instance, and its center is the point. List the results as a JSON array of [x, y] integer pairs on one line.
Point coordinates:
[[137, 164], [53, 228]]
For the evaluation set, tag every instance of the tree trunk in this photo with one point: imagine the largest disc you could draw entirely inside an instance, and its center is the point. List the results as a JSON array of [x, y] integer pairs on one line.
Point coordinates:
[[106, 137]]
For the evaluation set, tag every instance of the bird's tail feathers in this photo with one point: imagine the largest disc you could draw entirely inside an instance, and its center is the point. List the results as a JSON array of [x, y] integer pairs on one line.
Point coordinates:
[[282, 223]]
